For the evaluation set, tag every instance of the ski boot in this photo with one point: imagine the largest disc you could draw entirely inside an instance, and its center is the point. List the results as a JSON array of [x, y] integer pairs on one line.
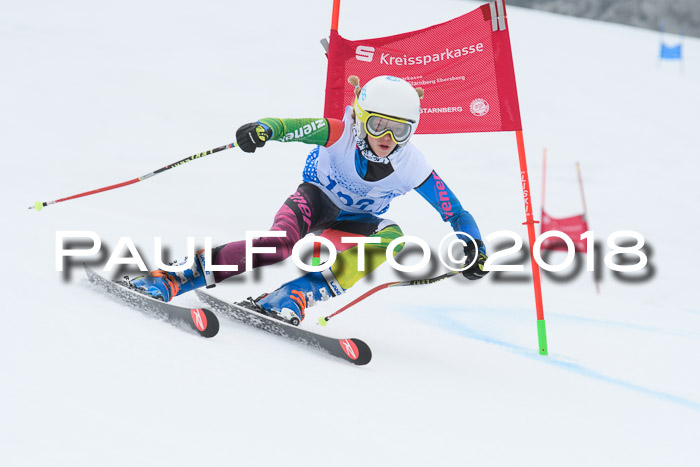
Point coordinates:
[[290, 301], [164, 285]]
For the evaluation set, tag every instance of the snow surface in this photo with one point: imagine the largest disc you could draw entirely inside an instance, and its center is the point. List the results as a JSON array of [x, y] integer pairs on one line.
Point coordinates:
[[96, 93]]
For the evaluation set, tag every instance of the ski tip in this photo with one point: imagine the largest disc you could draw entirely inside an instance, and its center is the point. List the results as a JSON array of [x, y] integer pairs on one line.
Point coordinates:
[[356, 351], [206, 322]]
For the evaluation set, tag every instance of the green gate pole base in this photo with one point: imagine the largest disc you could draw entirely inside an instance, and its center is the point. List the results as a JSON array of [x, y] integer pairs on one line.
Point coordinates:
[[542, 337]]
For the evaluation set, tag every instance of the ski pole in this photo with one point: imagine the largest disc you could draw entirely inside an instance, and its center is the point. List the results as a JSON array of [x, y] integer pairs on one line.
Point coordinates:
[[323, 320], [40, 205]]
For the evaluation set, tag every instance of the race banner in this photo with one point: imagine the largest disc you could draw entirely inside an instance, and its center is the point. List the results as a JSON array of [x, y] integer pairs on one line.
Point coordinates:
[[465, 67]]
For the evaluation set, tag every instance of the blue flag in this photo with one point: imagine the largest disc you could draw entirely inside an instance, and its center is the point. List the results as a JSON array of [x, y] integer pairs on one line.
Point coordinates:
[[670, 52]]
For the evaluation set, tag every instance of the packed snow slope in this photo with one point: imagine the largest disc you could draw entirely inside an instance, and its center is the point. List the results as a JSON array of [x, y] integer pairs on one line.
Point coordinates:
[[97, 93]]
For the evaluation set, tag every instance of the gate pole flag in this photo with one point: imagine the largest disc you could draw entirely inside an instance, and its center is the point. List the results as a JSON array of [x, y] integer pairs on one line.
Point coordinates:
[[465, 66]]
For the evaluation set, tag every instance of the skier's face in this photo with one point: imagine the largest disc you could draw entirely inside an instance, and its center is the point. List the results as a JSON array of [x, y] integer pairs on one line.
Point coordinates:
[[383, 146]]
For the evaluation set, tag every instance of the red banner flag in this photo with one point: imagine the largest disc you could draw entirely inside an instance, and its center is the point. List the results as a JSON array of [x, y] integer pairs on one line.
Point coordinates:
[[464, 65], [573, 226]]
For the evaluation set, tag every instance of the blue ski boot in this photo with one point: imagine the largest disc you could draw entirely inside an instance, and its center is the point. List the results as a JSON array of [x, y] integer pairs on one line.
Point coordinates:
[[164, 285], [290, 301]]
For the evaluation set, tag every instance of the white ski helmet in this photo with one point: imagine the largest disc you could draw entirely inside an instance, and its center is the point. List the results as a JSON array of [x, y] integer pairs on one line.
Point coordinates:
[[391, 97]]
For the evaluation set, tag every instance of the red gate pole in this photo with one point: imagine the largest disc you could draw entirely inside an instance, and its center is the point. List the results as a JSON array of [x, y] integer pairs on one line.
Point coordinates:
[[316, 259], [530, 223], [336, 15]]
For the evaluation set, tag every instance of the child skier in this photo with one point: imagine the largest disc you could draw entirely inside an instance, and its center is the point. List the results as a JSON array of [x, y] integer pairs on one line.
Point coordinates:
[[358, 166]]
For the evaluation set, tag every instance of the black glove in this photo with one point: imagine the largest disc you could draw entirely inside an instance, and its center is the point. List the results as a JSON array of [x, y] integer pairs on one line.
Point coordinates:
[[251, 136], [476, 270]]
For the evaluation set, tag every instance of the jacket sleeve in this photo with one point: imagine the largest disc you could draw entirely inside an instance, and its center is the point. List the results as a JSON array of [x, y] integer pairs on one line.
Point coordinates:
[[320, 131], [438, 194]]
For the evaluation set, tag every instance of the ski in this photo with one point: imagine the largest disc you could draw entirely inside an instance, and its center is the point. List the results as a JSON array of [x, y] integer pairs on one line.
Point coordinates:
[[199, 320], [352, 350]]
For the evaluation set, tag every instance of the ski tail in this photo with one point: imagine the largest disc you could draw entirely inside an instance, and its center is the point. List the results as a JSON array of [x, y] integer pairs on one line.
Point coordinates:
[[200, 320]]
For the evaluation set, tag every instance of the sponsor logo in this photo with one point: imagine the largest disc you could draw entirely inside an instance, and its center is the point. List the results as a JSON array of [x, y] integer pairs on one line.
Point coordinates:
[[364, 53], [440, 110], [191, 158], [305, 130], [199, 318], [526, 193], [303, 207], [387, 59], [479, 107], [445, 203], [332, 282], [349, 348], [336, 288]]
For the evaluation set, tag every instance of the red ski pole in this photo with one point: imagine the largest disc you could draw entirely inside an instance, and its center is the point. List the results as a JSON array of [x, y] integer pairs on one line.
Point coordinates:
[[323, 320], [40, 205]]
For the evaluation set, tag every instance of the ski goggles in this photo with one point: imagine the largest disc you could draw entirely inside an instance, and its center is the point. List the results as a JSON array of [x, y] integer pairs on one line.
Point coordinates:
[[378, 125]]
